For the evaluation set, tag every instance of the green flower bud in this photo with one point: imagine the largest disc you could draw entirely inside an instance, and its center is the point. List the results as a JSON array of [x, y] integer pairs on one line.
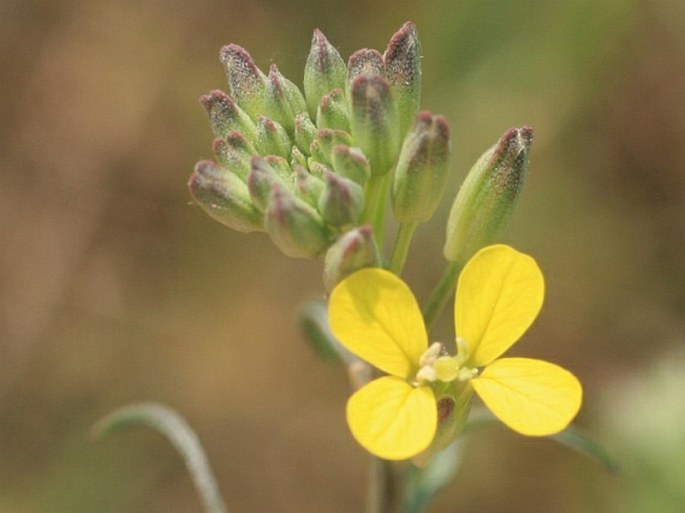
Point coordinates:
[[354, 250], [305, 133], [341, 201], [261, 180], [402, 60], [294, 226], [350, 163], [307, 186], [225, 116], [297, 158], [488, 196], [317, 168], [272, 139], [281, 166], [374, 122], [363, 62], [246, 81], [234, 153], [327, 139], [283, 100], [224, 197], [325, 70], [332, 112], [422, 167]]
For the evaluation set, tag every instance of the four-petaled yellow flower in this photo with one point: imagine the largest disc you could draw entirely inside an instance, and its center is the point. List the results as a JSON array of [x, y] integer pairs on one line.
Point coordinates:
[[500, 292]]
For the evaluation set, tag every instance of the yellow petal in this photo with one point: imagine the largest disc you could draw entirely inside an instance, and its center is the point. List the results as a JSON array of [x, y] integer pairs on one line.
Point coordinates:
[[392, 419], [499, 294], [374, 315], [532, 397]]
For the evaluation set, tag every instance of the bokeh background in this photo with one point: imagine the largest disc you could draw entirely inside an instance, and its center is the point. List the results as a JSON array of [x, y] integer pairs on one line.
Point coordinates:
[[115, 288]]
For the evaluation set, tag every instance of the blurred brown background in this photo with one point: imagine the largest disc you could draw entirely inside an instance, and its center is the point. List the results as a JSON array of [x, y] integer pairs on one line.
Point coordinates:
[[115, 289]]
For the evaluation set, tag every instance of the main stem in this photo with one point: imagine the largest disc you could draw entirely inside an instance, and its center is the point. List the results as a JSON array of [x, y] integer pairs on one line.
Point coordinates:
[[441, 294], [381, 497], [401, 247]]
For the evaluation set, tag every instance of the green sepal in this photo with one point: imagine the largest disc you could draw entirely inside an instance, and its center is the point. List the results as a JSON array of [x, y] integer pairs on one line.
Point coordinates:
[[350, 163], [283, 100], [305, 133], [487, 197], [402, 59], [234, 153], [326, 140], [325, 70], [261, 180], [364, 62], [354, 250], [341, 201], [422, 169], [307, 186], [295, 227], [225, 197], [272, 139], [333, 111], [247, 83], [225, 116], [374, 122]]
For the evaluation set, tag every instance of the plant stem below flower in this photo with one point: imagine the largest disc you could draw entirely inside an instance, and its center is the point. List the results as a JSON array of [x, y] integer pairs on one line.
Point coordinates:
[[401, 247], [441, 294]]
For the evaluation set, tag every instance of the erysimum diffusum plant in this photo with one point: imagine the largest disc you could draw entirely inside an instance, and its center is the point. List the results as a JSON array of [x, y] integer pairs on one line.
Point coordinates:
[[315, 170]]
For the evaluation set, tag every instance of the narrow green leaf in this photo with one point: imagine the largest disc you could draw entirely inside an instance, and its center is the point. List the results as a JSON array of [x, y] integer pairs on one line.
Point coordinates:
[[170, 424]]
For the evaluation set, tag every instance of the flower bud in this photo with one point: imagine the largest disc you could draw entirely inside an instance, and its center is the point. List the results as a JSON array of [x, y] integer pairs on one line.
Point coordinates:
[[272, 139], [422, 167], [363, 62], [307, 186], [225, 116], [234, 153], [332, 112], [297, 158], [488, 196], [283, 100], [317, 168], [305, 132], [325, 70], [402, 59], [350, 163], [354, 250], [281, 166], [374, 122], [327, 139], [246, 81], [341, 201], [261, 180], [294, 226], [224, 197]]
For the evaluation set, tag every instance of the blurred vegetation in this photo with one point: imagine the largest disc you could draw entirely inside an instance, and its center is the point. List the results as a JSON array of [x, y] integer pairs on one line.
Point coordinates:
[[115, 289]]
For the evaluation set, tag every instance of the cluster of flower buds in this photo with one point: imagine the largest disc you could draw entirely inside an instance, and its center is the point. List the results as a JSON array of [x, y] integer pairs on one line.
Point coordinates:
[[297, 165]]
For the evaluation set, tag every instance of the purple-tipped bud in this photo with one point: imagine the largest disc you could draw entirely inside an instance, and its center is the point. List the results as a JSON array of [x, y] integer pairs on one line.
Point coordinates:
[[283, 100], [374, 122], [307, 186], [488, 196], [332, 112], [317, 168], [355, 250], [294, 226], [305, 132], [326, 140], [402, 60], [246, 81], [350, 163], [261, 180], [234, 153], [422, 169], [341, 201], [325, 70], [272, 139], [224, 197], [225, 116], [297, 158], [367, 62]]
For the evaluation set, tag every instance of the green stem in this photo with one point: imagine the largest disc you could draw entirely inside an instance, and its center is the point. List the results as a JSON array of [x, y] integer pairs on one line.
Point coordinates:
[[381, 495], [441, 294], [399, 251], [373, 195]]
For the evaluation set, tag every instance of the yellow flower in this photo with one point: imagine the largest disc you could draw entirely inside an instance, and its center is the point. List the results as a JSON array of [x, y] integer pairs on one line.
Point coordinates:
[[500, 292]]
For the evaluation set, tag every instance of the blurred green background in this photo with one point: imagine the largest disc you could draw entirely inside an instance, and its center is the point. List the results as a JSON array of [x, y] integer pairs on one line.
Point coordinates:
[[114, 288]]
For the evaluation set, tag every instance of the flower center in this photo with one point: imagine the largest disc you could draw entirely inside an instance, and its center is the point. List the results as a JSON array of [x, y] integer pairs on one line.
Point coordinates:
[[437, 365]]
